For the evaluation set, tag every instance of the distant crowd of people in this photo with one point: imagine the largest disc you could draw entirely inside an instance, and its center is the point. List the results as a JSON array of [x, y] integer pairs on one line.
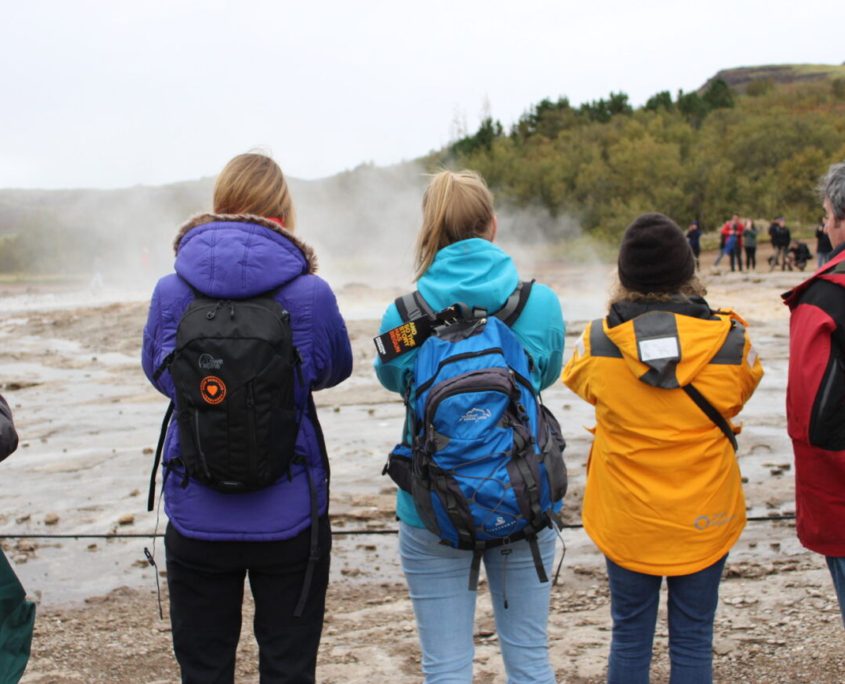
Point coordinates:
[[738, 235]]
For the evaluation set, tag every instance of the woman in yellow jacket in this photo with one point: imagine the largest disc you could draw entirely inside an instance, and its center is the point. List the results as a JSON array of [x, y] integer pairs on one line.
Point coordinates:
[[666, 374]]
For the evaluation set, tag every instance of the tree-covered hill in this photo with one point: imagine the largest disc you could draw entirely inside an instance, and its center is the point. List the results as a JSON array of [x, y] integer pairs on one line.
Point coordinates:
[[756, 148]]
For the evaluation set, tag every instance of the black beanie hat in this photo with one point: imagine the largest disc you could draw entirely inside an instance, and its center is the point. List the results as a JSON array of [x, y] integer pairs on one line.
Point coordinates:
[[655, 255]]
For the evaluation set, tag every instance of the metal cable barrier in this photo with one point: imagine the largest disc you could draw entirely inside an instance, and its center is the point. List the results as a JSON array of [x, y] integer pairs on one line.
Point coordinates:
[[335, 533]]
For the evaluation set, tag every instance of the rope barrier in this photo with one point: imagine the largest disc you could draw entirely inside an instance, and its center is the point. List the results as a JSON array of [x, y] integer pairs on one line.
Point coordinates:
[[335, 532]]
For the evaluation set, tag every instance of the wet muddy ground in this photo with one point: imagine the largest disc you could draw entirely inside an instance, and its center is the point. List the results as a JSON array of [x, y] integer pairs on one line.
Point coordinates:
[[89, 420]]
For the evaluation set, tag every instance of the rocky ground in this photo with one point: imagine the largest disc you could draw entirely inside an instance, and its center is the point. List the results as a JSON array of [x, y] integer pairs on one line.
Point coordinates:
[[88, 421]]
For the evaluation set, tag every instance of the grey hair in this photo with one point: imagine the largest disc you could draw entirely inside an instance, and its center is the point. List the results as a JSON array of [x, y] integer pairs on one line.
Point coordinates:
[[832, 187]]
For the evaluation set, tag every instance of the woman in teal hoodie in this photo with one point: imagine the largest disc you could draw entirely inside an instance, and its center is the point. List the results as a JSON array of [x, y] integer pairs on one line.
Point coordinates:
[[457, 261]]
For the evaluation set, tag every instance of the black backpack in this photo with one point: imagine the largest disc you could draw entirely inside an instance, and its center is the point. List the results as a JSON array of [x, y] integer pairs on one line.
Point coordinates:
[[233, 369]]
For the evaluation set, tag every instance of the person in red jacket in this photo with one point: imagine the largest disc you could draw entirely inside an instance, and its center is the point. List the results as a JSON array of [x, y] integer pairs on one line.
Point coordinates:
[[815, 392], [735, 227]]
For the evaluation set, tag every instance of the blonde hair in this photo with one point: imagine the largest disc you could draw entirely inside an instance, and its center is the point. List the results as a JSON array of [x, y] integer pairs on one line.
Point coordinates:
[[457, 205], [253, 183]]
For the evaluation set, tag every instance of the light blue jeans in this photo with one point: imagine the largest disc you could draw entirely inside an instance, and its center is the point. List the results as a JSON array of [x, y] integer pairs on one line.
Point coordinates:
[[836, 564], [438, 577]]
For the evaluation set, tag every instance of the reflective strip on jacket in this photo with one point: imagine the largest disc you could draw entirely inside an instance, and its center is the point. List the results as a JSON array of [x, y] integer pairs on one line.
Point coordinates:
[[663, 494]]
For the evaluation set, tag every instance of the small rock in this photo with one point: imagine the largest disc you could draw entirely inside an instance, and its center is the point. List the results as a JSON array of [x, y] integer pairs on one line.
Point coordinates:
[[23, 518], [92, 547], [134, 492], [147, 450], [126, 519], [51, 518]]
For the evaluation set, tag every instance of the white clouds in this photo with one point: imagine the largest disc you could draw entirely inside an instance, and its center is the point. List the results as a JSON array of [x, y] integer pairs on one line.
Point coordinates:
[[118, 93]]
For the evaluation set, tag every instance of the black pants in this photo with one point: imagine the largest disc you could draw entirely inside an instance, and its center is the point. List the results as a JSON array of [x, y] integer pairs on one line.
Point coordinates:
[[750, 258], [206, 583], [736, 258]]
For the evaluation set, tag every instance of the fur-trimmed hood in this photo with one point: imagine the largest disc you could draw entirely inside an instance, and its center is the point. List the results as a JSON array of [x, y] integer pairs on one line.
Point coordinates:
[[239, 256]]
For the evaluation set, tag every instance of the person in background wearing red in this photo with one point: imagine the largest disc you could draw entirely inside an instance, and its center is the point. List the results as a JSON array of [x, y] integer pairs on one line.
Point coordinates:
[[734, 227]]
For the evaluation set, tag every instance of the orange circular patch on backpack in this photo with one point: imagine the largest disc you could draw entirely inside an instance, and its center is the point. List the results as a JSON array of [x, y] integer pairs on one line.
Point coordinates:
[[212, 389]]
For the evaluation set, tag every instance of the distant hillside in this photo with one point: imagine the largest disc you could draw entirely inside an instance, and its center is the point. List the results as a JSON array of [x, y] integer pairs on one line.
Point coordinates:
[[780, 74]]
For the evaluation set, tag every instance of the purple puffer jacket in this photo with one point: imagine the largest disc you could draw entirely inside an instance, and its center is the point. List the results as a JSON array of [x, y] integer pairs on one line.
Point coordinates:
[[235, 257]]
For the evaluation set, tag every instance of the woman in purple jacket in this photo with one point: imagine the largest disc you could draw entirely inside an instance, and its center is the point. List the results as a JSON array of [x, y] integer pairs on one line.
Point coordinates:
[[279, 535]]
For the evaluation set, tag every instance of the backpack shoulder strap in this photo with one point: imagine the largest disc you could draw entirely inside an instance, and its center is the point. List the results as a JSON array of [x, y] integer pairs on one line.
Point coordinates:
[[164, 424], [711, 412], [515, 303], [412, 306]]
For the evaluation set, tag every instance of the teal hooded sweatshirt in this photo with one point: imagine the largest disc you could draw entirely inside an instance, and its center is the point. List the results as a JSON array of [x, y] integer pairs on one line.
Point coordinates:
[[479, 274]]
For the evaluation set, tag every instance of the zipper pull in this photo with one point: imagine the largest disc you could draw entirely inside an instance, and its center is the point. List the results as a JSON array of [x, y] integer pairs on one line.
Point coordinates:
[[211, 314]]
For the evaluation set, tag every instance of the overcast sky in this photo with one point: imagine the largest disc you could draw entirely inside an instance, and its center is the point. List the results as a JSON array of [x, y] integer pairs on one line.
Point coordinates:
[[112, 93]]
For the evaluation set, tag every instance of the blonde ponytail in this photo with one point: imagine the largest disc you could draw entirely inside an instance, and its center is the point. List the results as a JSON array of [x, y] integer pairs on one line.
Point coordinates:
[[456, 206]]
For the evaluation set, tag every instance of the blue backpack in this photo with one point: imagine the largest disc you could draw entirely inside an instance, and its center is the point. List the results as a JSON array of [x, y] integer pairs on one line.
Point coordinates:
[[485, 459]]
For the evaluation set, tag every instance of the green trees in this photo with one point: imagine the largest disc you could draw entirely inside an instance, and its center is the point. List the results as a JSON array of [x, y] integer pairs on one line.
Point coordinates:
[[703, 155]]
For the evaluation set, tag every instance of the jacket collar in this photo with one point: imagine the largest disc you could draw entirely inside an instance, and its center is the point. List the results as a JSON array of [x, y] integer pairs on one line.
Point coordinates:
[[203, 219], [695, 307], [790, 298]]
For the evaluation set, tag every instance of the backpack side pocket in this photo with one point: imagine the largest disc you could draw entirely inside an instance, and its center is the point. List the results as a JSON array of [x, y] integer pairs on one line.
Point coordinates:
[[552, 446]]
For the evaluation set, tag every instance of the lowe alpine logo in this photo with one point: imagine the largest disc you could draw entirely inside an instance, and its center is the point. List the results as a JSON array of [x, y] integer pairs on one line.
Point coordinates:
[[475, 414], [500, 526], [212, 389], [208, 362]]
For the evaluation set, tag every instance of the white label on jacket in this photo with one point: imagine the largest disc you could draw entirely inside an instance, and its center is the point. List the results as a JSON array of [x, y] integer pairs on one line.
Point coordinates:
[[659, 348], [752, 357]]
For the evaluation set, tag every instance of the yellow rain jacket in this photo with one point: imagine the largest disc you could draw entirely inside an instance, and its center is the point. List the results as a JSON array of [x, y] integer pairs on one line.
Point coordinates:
[[663, 494]]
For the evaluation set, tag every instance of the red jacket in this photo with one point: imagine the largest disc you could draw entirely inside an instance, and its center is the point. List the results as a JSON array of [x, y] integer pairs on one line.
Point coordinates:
[[815, 406], [727, 228]]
